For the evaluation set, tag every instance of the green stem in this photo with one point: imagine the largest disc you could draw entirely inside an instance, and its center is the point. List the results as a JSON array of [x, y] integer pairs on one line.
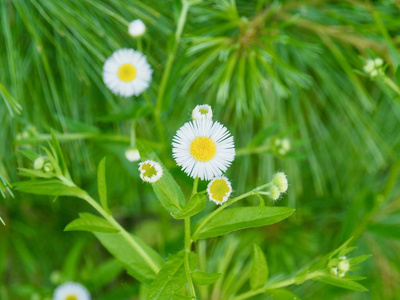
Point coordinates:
[[85, 196], [392, 84], [188, 245], [230, 202], [274, 286], [168, 67]]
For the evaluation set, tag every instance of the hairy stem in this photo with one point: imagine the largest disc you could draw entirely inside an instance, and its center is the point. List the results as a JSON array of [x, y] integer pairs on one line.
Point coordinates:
[[188, 245], [85, 196]]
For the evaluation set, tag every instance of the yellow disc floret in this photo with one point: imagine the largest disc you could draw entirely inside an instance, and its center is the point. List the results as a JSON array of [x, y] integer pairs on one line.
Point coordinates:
[[127, 72], [203, 148], [219, 189], [149, 170], [71, 297]]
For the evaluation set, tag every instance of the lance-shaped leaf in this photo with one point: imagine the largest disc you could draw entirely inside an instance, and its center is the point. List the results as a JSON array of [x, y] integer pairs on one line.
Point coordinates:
[[259, 269], [204, 278], [342, 282], [101, 184], [195, 205], [51, 187], [171, 278], [91, 223], [140, 260], [281, 294], [238, 218], [166, 189]]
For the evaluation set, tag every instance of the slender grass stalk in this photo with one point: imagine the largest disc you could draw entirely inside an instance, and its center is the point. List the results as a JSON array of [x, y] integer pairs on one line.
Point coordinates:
[[168, 67]]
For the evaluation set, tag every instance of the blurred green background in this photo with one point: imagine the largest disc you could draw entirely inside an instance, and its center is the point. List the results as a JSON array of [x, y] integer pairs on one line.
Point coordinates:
[[270, 69]]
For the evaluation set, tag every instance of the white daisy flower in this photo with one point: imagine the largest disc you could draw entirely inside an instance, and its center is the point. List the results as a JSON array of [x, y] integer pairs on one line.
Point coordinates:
[[132, 154], [136, 28], [201, 112], [71, 291], [150, 171], [203, 149], [219, 189], [127, 73]]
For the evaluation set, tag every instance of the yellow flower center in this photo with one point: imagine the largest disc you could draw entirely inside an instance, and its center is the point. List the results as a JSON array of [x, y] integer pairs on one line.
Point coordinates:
[[203, 111], [149, 170], [71, 297], [203, 148], [219, 189], [127, 72]]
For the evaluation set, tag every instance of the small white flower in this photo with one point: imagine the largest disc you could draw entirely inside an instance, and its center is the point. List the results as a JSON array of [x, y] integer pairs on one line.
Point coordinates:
[[219, 189], [274, 193], [127, 73], [136, 28], [280, 181], [150, 171], [132, 154], [203, 149], [201, 112], [71, 291]]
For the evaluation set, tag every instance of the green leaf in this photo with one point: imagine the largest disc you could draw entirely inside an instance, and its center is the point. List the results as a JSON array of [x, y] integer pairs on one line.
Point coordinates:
[[359, 259], [204, 278], [385, 230], [166, 189], [101, 184], [34, 173], [259, 269], [170, 279], [59, 155], [53, 187], [181, 297], [281, 294], [91, 223], [238, 218], [195, 205], [140, 260], [342, 282]]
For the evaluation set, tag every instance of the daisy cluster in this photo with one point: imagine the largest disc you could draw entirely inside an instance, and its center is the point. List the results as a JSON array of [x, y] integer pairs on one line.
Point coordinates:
[[204, 149]]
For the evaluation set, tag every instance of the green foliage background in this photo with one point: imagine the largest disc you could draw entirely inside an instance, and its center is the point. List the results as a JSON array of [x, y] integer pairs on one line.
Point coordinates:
[[269, 69]]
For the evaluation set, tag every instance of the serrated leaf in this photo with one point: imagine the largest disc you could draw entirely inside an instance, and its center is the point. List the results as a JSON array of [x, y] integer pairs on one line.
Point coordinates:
[[342, 282], [101, 184], [91, 223], [259, 269], [238, 218], [166, 189], [195, 205], [138, 259], [204, 278], [171, 278], [281, 294]]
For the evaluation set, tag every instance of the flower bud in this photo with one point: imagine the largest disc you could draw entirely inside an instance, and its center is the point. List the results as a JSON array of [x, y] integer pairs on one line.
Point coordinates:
[[132, 154], [136, 28], [39, 163], [274, 193], [280, 181], [48, 167]]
